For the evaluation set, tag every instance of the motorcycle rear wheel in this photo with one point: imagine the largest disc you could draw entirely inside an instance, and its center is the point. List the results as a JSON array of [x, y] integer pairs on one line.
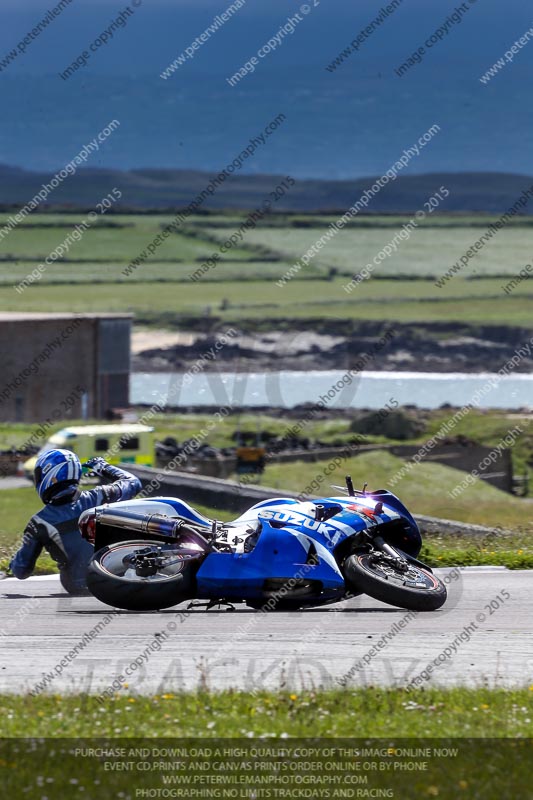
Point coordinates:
[[114, 581], [373, 574]]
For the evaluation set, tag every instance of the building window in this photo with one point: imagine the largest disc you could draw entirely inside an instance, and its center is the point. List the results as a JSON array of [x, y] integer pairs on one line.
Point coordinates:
[[129, 443]]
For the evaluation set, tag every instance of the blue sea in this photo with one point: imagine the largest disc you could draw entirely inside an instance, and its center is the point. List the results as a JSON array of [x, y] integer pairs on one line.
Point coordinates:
[[350, 123], [331, 130], [369, 390]]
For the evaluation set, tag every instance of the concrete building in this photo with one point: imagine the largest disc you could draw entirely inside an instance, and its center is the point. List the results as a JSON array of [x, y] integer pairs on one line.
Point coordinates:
[[63, 366]]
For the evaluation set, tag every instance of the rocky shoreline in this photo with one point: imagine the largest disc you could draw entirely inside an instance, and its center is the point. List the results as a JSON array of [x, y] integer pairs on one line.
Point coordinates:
[[412, 348]]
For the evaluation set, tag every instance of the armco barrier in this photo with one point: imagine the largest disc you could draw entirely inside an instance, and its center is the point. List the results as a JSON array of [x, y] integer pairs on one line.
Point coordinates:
[[213, 492]]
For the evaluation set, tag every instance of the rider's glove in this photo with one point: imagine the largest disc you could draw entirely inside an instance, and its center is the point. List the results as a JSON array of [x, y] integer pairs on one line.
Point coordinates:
[[97, 465]]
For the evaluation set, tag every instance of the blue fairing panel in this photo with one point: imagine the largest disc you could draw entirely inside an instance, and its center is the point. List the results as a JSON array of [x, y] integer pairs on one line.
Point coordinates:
[[279, 553]]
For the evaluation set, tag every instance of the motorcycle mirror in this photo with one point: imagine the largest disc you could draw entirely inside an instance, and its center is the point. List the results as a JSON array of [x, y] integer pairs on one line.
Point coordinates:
[[341, 488], [345, 490]]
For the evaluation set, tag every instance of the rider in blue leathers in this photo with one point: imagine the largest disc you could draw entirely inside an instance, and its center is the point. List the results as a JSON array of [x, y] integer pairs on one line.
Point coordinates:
[[55, 527]]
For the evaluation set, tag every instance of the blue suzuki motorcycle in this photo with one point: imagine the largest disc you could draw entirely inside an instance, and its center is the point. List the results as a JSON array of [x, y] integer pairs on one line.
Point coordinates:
[[281, 554]]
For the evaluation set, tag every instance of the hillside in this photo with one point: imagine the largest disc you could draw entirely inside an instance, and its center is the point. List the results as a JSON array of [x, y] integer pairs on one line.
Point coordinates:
[[150, 189]]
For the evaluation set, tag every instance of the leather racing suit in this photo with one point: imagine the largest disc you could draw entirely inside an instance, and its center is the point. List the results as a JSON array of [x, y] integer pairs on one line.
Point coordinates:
[[55, 528]]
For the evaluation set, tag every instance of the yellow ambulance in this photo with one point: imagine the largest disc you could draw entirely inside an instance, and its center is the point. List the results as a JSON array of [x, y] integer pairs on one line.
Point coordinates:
[[118, 444]]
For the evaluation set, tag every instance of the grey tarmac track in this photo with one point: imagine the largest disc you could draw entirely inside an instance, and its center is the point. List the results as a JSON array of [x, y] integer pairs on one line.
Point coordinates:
[[246, 649], [14, 482]]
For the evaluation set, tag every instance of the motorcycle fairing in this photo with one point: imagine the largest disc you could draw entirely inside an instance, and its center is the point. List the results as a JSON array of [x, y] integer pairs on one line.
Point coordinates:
[[330, 532], [280, 554]]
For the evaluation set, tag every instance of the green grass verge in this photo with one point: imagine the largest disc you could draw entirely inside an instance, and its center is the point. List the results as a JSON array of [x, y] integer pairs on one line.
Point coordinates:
[[365, 712], [309, 744], [423, 489], [514, 551]]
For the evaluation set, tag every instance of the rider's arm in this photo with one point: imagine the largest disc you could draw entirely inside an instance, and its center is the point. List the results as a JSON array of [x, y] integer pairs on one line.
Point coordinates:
[[124, 485], [23, 562]]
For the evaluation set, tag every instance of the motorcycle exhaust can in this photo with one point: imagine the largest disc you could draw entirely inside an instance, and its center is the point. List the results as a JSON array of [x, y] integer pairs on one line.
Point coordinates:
[[157, 524]]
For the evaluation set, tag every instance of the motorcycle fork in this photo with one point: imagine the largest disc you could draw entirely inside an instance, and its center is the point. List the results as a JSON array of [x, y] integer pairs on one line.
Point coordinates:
[[379, 543], [402, 559]]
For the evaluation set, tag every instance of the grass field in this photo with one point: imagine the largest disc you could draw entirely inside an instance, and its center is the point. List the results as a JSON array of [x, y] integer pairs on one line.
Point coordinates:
[[78, 272], [243, 286], [102, 243], [235, 301], [428, 252]]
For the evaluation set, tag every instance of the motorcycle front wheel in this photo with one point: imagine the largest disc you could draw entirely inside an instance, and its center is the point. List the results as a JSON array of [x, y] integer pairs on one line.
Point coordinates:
[[143, 575], [380, 577]]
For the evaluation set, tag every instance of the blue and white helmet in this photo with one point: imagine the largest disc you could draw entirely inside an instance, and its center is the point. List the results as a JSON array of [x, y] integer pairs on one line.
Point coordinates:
[[57, 474]]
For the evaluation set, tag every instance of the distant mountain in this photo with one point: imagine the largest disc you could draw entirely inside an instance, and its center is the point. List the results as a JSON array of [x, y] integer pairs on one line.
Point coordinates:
[[150, 189]]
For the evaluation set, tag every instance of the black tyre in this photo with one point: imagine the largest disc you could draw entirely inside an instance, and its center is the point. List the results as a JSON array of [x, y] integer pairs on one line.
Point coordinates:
[[372, 573], [112, 577]]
